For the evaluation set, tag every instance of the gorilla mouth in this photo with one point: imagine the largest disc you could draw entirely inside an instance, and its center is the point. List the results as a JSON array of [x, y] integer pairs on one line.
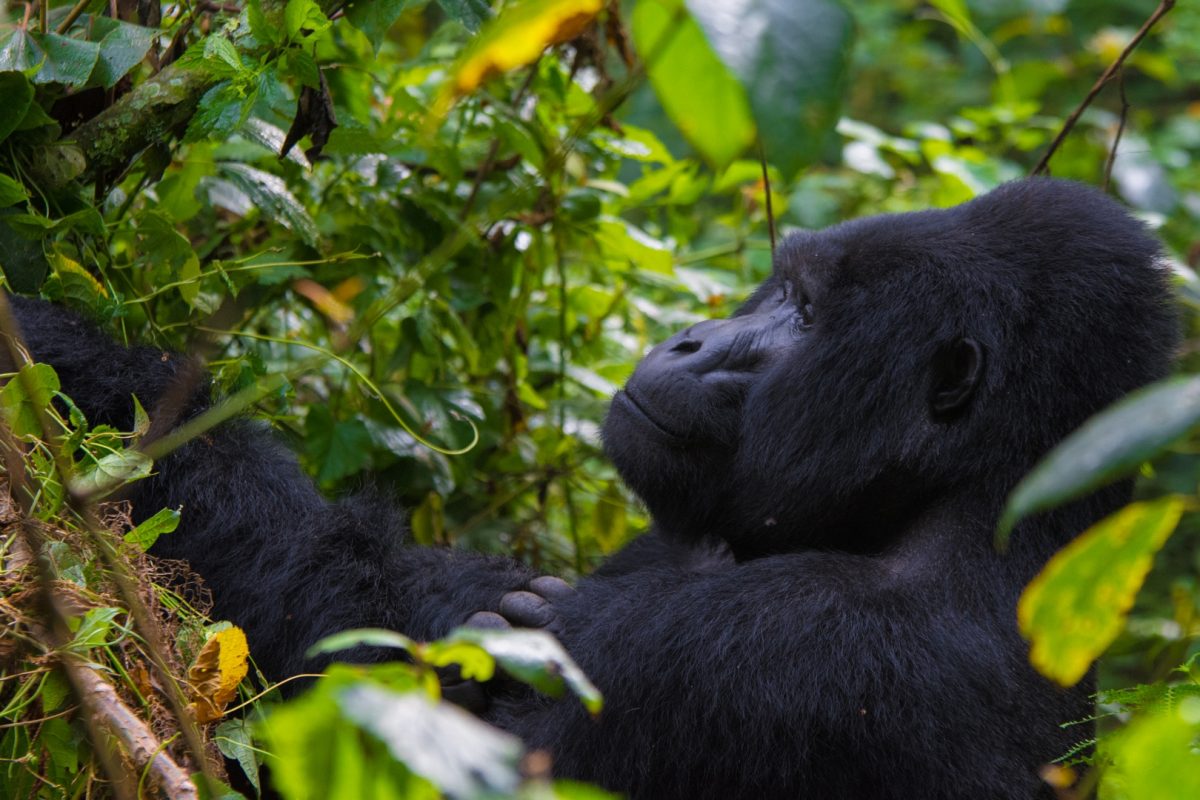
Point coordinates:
[[631, 401]]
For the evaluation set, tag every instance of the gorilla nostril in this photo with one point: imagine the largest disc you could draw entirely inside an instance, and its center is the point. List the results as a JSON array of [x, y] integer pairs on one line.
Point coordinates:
[[686, 346]]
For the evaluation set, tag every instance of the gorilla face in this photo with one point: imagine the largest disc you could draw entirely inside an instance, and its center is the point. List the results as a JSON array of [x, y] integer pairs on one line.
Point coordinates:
[[889, 364]]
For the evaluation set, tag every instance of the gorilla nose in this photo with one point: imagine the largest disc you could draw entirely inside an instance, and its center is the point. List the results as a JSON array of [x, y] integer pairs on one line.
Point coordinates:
[[728, 345]]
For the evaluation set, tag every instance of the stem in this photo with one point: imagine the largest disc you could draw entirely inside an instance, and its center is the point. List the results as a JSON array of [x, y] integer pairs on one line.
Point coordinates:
[[1163, 7]]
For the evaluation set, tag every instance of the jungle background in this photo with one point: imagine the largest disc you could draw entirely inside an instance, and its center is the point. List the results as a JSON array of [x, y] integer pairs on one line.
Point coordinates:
[[428, 241]]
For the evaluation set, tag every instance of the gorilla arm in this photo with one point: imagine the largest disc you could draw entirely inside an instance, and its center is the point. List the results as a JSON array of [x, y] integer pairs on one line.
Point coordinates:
[[767, 675], [283, 562]]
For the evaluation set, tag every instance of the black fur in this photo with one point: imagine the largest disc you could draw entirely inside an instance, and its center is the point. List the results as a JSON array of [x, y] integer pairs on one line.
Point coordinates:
[[819, 611]]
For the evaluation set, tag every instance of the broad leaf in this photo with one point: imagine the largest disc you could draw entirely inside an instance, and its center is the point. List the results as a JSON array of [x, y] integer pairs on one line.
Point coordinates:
[[459, 754], [471, 13], [18, 94], [147, 533], [533, 657], [516, 38], [26, 395], [1109, 446], [375, 17], [112, 472], [271, 196], [1077, 605], [68, 61], [698, 92], [792, 56], [11, 191], [122, 48]]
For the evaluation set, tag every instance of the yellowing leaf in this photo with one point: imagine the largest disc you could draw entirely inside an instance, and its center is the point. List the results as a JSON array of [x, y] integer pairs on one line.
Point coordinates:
[[219, 668], [1076, 606], [516, 38]]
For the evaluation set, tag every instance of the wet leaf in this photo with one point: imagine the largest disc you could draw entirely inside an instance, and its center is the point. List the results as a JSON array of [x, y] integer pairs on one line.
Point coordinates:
[[18, 95], [122, 48], [1076, 606], [270, 195]]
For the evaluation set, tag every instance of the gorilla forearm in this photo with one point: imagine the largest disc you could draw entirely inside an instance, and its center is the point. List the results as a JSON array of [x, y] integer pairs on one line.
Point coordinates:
[[792, 662], [285, 563]]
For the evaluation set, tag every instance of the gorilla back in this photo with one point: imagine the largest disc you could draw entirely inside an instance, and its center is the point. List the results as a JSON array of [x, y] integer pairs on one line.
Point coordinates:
[[818, 610]]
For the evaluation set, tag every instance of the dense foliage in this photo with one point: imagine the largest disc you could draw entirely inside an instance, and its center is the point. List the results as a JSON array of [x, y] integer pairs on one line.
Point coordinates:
[[429, 240]]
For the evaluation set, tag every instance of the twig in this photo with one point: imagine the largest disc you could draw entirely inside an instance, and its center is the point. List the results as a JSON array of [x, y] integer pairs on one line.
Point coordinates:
[[1163, 7], [1112, 153], [72, 15], [762, 159]]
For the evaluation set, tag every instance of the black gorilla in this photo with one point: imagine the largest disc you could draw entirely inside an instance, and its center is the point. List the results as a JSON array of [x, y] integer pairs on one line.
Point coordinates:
[[819, 611]]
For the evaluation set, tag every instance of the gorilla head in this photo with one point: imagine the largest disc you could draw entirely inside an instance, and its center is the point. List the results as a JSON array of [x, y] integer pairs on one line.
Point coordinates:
[[893, 365]]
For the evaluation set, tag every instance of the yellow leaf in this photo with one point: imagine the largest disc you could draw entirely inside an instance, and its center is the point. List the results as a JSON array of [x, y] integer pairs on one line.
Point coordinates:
[[219, 668], [516, 38], [1076, 606]]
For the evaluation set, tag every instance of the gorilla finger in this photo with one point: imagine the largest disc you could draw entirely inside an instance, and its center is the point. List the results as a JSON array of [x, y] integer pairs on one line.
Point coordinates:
[[526, 609], [488, 620], [551, 588]]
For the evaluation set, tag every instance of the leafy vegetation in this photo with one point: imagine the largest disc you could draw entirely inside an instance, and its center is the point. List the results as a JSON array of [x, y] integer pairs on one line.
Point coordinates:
[[429, 239]]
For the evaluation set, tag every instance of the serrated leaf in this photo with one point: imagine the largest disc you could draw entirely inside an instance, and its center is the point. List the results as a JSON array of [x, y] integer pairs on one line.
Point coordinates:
[[17, 92], [533, 657], [1073, 610], [122, 48], [1109, 446], [699, 92], [148, 531], [303, 19], [516, 38], [25, 396], [375, 17], [221, 57], [459, 754], [470, 13], [792, 57]]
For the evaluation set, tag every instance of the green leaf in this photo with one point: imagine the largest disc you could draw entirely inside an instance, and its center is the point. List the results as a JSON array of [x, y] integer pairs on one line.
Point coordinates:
[[453, 750], [234, 741], [68, 61], [25, 396], [304, 18], [357, 637], [792, 56], [533, 657], [375, 17], [340, 448], [17, 92], [20, 52], [221, 57], [1111, 445], [147, 533], [122, 48], [698, 92], [11, 192], [270, 195], [112, 472], [471, 13], [21, 257], [1077, 605], [1155, 758], [94, 628]]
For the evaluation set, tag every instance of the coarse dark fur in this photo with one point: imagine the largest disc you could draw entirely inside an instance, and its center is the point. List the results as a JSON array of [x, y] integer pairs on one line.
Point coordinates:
[[819, 611]]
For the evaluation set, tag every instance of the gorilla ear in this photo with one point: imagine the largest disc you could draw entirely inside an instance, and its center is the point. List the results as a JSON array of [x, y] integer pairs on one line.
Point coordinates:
[[957, 371]]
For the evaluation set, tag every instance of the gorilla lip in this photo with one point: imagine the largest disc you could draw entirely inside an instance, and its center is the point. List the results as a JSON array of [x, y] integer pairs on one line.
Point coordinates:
[[639, 410]]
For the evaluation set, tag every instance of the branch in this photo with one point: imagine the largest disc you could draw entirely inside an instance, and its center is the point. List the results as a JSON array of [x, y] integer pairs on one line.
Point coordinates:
[[1163, 7]]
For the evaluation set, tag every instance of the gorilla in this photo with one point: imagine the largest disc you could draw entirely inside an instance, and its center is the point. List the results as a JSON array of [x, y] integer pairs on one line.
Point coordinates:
[[818, 610]]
